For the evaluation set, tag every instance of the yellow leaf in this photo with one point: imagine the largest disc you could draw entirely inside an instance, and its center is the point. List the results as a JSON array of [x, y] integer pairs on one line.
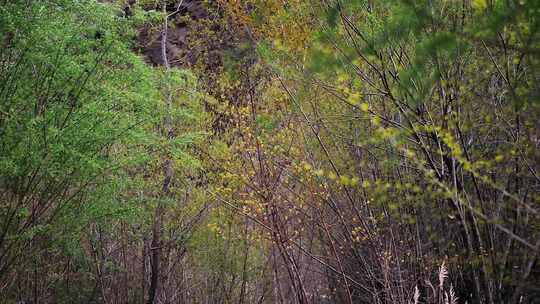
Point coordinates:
[[344, 180], [332, 175], [479, 4], [364, 106], [354, 99], [319, 172]]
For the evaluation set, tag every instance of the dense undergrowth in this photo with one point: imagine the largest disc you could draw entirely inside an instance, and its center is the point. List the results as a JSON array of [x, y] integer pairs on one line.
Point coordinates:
[[336, 151]]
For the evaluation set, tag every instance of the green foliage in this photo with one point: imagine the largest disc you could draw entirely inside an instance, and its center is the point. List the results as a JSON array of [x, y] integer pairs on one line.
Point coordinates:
[[73, 96], [354, 146]]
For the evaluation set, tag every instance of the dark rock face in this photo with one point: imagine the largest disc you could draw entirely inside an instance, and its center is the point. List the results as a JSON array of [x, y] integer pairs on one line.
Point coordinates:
[[203, 38], [178, 50], [198, 33]]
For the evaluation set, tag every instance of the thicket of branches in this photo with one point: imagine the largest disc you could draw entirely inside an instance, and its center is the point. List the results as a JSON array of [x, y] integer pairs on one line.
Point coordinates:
[[337, 151]]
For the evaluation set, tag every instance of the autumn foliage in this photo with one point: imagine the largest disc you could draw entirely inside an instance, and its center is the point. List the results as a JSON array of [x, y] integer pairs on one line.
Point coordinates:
[[302, 151]]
